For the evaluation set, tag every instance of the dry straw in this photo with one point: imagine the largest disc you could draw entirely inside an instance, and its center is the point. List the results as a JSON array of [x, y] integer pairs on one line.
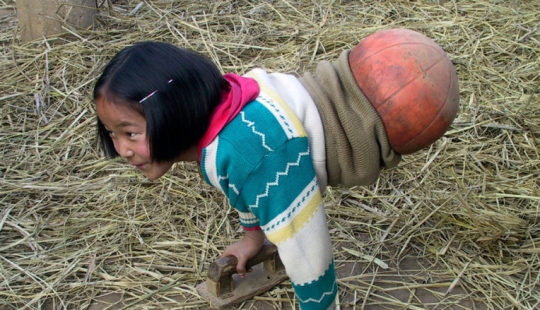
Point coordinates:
[[454, 226]]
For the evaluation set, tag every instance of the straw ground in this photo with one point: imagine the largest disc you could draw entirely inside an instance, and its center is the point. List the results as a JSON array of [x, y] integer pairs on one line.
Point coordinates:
[[454, 226]]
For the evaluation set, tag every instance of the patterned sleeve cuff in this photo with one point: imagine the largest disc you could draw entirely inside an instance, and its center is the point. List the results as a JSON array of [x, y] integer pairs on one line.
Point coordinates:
[[248, 221]]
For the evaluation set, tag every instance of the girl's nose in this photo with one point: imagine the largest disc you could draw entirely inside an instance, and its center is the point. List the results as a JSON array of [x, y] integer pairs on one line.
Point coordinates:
[[124, 150], [128, 153]]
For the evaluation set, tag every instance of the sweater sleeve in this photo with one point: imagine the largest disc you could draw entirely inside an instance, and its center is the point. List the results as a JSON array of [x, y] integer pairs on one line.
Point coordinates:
[[279, 193], [262, 161], [284, 194]]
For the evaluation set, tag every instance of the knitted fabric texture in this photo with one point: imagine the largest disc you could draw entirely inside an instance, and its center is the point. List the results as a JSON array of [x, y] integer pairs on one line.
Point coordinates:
[[357, 147], [262, 161]]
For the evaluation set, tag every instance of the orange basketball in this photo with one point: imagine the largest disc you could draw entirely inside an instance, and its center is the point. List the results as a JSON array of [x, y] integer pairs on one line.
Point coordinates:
[[411, 83]]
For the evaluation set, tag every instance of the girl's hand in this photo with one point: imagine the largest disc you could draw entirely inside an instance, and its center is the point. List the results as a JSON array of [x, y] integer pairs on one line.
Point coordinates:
[[245, 249]]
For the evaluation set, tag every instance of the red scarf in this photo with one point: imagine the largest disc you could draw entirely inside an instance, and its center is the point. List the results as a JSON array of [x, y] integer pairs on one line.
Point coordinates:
[[241, 90]]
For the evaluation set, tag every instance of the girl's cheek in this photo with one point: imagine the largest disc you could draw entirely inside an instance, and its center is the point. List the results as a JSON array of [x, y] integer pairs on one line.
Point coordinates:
[[143, 149]]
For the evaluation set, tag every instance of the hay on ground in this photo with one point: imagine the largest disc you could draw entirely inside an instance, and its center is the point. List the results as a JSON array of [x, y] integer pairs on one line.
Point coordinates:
[[454, 226]]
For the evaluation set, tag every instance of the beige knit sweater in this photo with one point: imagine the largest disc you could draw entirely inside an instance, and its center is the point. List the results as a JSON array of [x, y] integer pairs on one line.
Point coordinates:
[[357, 147]]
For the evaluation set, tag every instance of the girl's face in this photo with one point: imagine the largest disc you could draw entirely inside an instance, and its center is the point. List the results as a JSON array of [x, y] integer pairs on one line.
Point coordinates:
[[127, 129]]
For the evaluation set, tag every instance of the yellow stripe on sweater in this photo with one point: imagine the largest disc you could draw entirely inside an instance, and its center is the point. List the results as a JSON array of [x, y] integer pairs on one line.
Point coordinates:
[[276, 97], [298, 222]]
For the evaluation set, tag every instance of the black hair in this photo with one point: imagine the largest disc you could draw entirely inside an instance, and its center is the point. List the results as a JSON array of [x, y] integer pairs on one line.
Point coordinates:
[[186, 88]]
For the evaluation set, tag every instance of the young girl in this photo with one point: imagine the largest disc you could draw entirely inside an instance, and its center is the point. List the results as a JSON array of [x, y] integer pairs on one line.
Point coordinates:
[[259, 138]]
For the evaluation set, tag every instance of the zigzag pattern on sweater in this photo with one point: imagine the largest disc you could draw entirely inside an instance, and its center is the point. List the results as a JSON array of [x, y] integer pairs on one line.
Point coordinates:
[[231, 185], [278, 176], [328, 293], [294, 208], [252, 126]]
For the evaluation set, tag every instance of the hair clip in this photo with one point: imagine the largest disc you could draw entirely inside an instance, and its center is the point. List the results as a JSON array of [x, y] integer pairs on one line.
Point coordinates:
[[153, 93]]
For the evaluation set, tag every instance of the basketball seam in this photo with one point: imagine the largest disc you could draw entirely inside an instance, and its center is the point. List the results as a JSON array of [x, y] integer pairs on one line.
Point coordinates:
[[409, 82], [435, 117], [436, 47]]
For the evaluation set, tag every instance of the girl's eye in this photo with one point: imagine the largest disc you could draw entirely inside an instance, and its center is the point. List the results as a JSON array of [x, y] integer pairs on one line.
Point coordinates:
[[130, 134]]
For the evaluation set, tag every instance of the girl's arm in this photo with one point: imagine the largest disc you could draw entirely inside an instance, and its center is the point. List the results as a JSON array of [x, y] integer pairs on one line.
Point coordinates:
[[245, 249], [263, 163]]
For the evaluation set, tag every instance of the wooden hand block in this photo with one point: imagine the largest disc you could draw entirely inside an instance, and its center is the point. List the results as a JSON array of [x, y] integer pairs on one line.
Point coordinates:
[[224, 288]]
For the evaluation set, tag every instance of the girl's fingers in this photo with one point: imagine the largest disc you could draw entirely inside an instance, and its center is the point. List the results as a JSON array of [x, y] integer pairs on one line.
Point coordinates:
[[241, 266]]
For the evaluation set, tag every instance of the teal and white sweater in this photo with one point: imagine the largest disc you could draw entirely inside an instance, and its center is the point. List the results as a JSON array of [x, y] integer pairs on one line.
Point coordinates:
[[270, 163]]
